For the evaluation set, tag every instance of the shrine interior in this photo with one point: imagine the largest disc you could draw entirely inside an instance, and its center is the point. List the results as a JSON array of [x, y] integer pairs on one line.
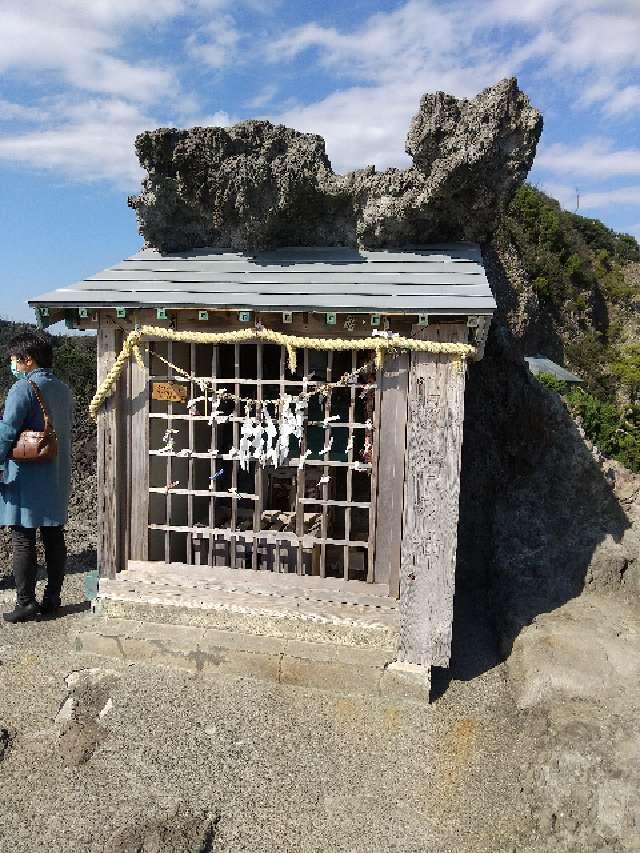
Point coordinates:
[[203, 480]]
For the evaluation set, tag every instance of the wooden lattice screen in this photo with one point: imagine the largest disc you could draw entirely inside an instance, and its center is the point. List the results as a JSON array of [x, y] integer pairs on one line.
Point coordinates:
[[314, 514]]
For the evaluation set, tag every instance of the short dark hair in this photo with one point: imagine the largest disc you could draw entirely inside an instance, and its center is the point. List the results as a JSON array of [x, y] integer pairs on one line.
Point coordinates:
[[38, 345]]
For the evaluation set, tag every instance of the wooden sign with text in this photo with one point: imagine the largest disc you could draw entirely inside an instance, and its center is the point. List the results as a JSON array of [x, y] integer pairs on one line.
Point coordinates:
[[170, 392]]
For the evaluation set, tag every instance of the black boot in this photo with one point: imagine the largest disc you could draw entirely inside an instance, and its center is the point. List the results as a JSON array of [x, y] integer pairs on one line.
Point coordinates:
[[50, 603], [22, 613]]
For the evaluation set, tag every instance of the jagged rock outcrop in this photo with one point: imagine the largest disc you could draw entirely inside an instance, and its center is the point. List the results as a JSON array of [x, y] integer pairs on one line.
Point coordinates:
[[258, 185]]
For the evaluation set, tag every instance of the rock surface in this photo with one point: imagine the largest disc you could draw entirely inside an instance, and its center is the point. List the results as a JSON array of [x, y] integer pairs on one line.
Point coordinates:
[[542, 515], [576, 671], [258, 185], [80, 713], [173, 828], [587, 649]]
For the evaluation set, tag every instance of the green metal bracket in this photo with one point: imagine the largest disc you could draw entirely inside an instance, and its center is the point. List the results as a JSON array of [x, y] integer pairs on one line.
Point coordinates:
[[43, 316], [203, 315], [244, 316], [331, 319], [83, 313], [423, 319], [287, 317], [375, 320], [161, 314], [121, 313]]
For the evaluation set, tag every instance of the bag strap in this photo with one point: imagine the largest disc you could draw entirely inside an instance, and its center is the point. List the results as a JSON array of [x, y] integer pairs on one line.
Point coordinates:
[[45, 412]]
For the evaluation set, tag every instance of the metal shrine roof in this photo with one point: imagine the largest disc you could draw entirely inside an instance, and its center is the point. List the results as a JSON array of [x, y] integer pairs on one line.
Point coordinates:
[[436, 279], [539, 364]]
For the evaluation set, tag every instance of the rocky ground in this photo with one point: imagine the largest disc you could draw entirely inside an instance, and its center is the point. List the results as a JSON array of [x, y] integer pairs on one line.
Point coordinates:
[[540, 752], [531, 743]]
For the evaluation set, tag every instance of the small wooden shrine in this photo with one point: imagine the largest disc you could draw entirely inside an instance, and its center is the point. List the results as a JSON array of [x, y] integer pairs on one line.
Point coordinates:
[[290, 414]]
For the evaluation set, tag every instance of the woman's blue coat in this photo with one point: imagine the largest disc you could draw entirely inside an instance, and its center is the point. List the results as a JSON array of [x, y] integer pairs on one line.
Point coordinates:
[[36, 494]]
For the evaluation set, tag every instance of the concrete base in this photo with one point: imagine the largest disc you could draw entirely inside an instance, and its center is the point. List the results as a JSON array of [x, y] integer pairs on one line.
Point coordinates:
[[409, 679], [211, 621], [211, 653]]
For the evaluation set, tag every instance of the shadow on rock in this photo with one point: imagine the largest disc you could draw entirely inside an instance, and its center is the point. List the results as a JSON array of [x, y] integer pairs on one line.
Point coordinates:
[[539, 520]]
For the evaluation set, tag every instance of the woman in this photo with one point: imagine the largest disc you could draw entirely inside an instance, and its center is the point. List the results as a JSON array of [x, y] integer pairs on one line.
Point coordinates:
[[35, 494]]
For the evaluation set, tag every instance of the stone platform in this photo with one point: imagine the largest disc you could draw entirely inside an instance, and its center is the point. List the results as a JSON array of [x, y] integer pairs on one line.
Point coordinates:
[[289, 629]]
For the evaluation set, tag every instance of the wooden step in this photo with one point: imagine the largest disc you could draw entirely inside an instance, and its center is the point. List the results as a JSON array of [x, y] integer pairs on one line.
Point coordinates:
[[254, 602]]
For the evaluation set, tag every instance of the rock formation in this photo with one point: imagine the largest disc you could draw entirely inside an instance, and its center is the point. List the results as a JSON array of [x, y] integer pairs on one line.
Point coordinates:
[[258, 185]]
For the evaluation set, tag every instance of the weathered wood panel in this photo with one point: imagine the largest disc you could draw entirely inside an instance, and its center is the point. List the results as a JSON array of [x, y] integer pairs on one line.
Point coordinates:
[[432, 486], [138, 461], [391, 449], [111, 462]]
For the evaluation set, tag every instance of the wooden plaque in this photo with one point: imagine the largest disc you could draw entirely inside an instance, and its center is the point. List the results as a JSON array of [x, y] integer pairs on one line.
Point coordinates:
[[170, 392]]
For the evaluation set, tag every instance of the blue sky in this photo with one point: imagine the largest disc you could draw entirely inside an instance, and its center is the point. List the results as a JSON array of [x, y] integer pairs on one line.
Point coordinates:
[[79, 78]]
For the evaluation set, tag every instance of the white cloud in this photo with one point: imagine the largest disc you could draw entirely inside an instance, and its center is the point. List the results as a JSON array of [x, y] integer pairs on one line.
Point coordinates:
[[593, 44], [219, 119], [11, 111], [604, 39], [262, 98], [380, 69], [388, 45], [92, 140], [80, 52], [419, 47], [614, 98], [608, 198], [216, 43], [592, 199], [524, 11], [593, 159], [71, 47]]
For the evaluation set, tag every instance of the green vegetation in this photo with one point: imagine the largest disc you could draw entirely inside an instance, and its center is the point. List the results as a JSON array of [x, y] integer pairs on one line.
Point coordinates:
[[74, 361], [615, 430], [579, 271], [570, 259]]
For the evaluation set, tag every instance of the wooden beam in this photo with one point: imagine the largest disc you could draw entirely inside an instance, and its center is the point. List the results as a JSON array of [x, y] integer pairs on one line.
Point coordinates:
[[391, 449], [111, 463], [431, 496], [139, 461]]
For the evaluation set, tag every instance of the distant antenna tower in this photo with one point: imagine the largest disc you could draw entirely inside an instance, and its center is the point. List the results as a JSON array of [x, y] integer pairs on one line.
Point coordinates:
[[577, 199]]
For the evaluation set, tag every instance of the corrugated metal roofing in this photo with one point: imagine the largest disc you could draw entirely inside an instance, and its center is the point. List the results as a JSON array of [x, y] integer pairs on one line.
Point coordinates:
[[539, 364], [442, 279]]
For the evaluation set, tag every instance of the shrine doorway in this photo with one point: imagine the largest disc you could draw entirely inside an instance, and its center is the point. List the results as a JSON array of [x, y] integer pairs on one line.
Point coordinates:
[[255, 466]]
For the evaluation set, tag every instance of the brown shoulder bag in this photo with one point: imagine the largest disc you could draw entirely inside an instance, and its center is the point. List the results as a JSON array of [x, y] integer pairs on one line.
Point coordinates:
[[34, 446]]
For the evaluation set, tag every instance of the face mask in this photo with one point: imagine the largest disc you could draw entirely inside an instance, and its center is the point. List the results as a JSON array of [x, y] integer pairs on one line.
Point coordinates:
[[19, 374]]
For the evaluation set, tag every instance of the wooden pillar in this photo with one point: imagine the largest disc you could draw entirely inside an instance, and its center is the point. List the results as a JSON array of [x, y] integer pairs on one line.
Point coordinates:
[[138, 460], [390, 481], [111, 467], [435, 415]]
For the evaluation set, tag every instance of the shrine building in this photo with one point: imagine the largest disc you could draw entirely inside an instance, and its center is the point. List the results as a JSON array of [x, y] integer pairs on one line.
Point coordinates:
[[279, 439]]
